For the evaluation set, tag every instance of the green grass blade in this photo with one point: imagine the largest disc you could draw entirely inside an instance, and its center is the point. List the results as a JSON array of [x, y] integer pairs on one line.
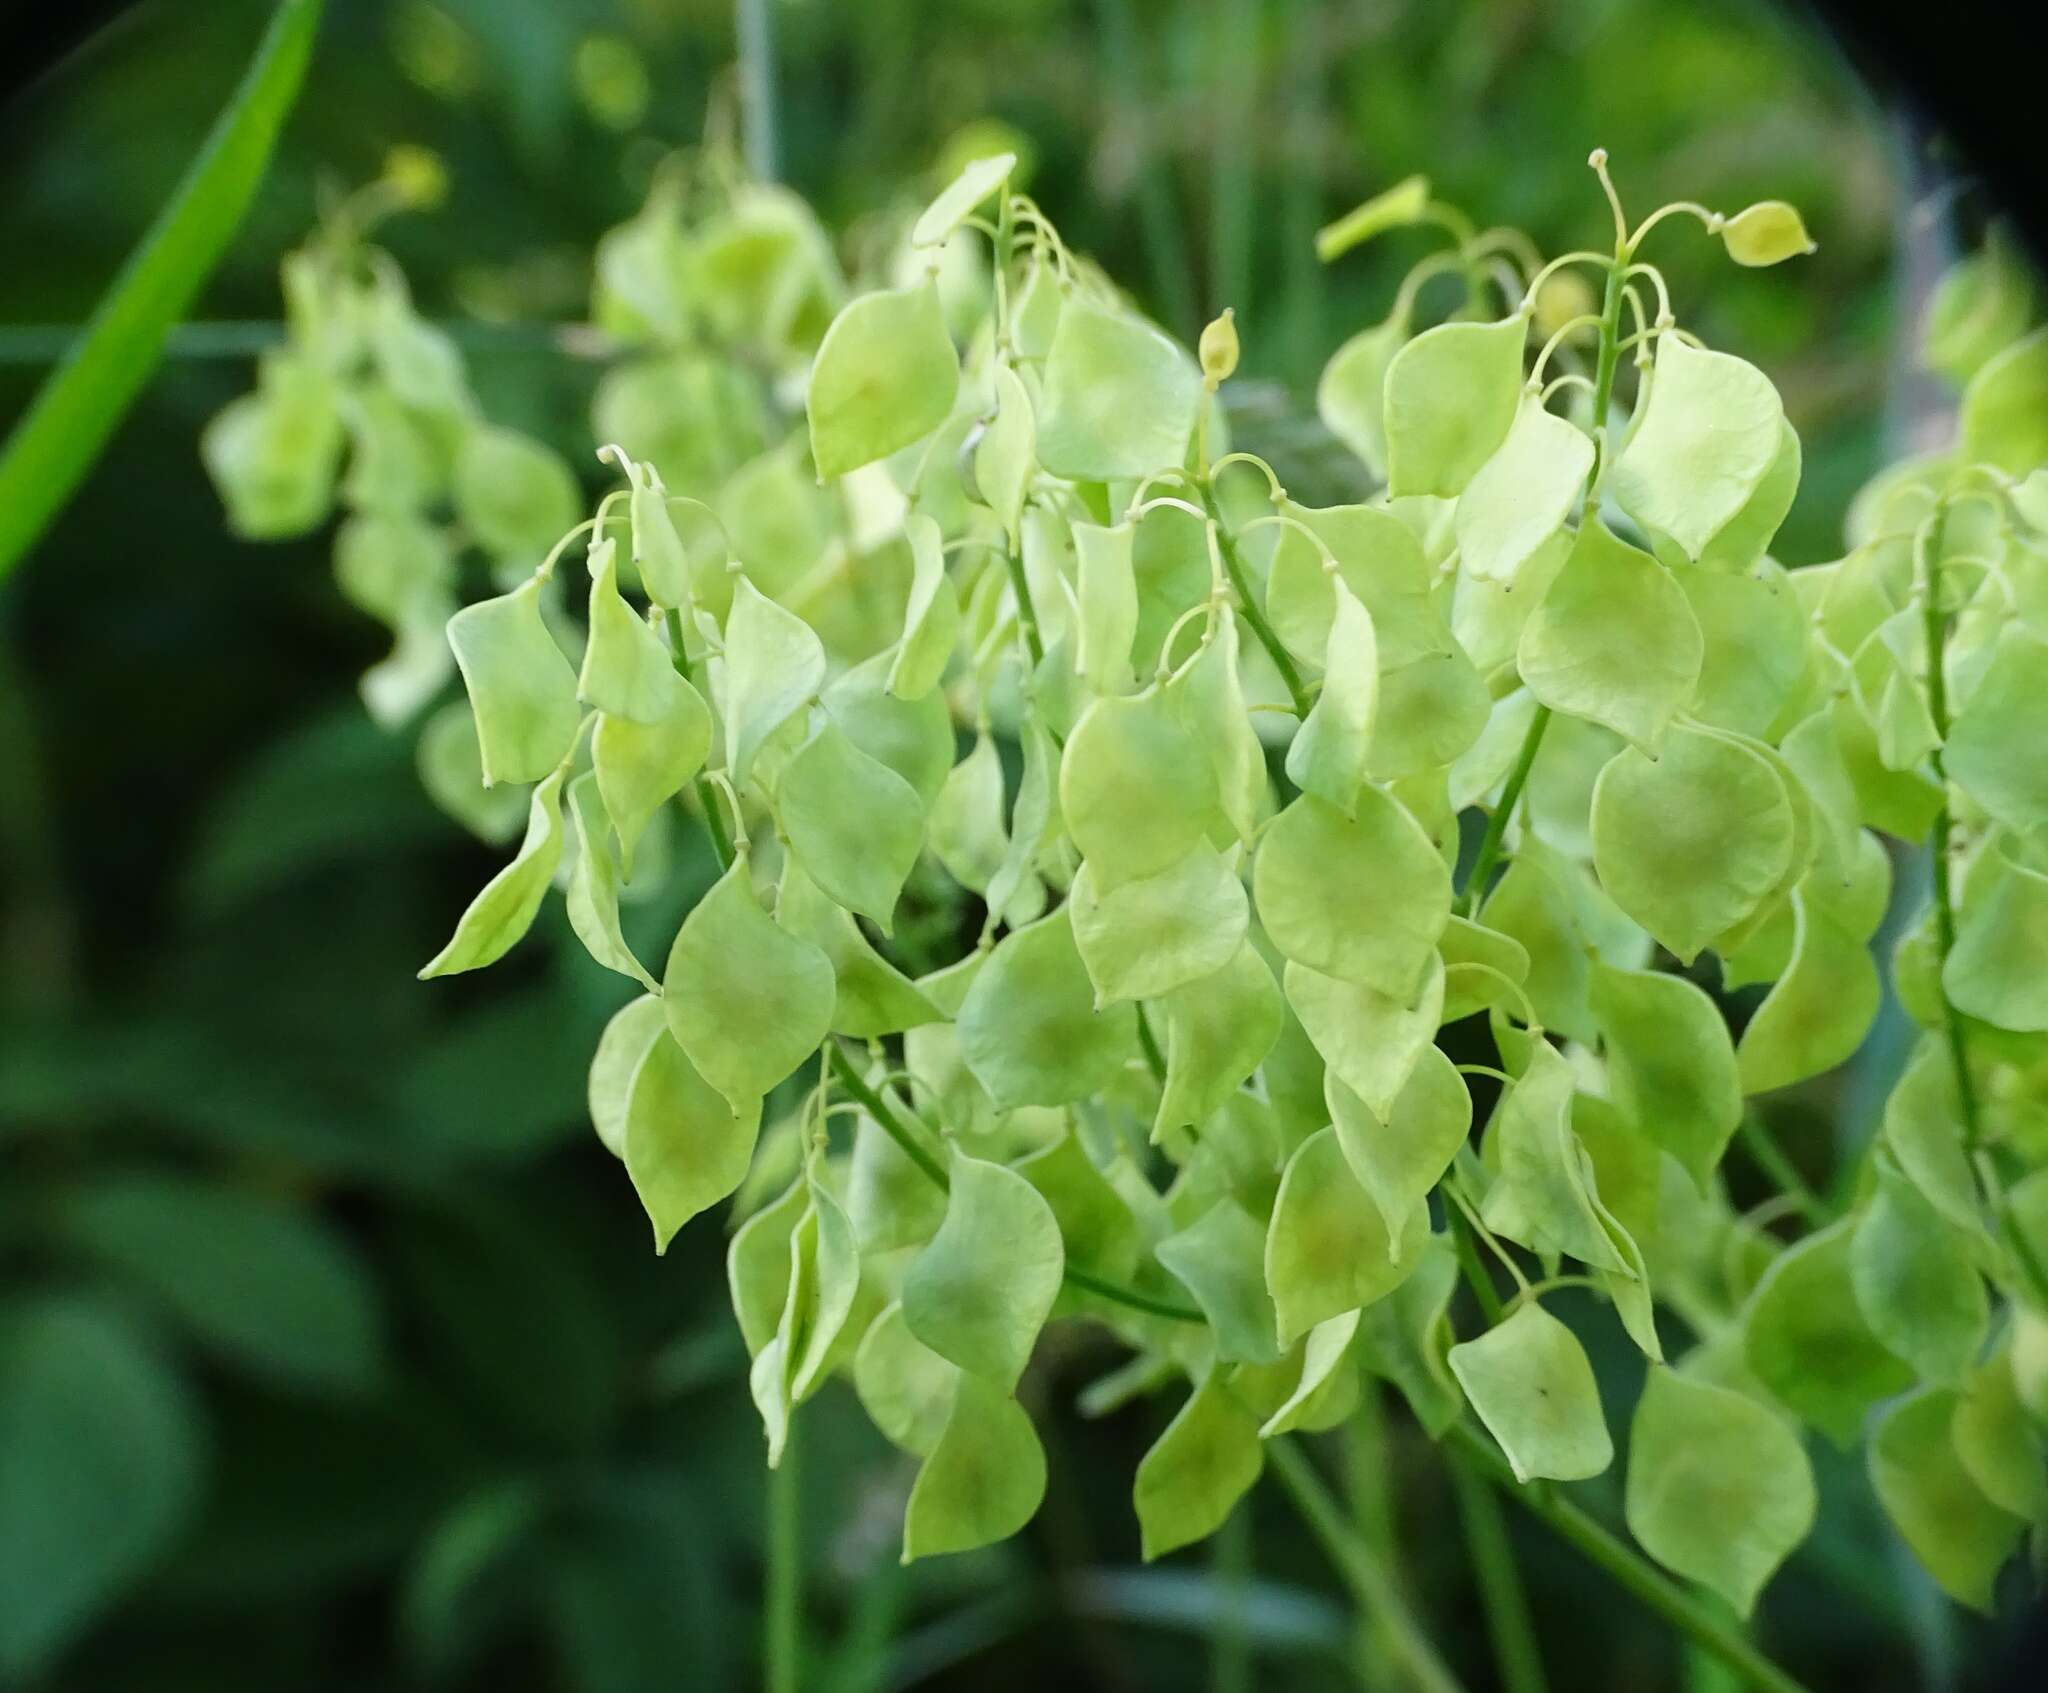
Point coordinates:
[[76, 410]]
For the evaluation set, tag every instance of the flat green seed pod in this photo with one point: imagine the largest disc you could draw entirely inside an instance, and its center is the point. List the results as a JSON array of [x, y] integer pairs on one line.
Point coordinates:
[[983, 1286], [1363, 898], [965, 830], [1522, 495], [1207, 1459], [1691, 843], [1670, 1063], [1208, 699], [1818, 1012], [1098, 1228], [1403, 1339], [758, 1263], [1107, 593], [1998, 745], [642, 766], [872, 997], [628, 670], [1431, 710], [913, 737], [774, 666], [1330, 751], [512, 493], [931, 620], [1707, 437], [1029, 1029], [1326, 1376], [2004, 419], [1544, 1196], [1221, 1261], [904, 1386], [1218, 1031], [386, 564], [1530, 1383], [1451, 397], [1466, 990], [686, 1148], [1327, 1248], [1120, 398], [1754, 651], [891, 1201], [1766, 233], [659, 553], [1034, 821], [1351, 393], [1916, 1282], [1378, 558], [853, 824], [1613, 640], [983, 1480], [1136, 790], [885, 377], [1536, 905], [1923, 1130], [1960, 1537], [1006, 456], [1370, 1041], [747, 1001], [978, 179], [273, 455], [502, 913], [592, 901], [450, 765], [521, 688], [1719, 1489], [1748, 534], [1805, 1339], [1400, 1154], [1407, 202], [620, 1048], [1146, 937], [1996, 1443]]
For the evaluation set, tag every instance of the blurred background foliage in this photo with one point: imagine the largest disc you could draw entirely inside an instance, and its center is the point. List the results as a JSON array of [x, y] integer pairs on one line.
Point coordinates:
[[331, 1353]]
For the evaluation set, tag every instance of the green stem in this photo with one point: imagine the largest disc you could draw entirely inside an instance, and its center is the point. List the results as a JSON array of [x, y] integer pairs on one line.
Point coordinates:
[[1027, 613], [1607, 362], [1148, 1043], [1473, 1266], [707, 801], [877, 1107], [1497, 824], [1233, 567], [1771, 1159], [1501, 1594], [1712, 1631], [1230, 1647], [1371, 1584], [782, 1609]]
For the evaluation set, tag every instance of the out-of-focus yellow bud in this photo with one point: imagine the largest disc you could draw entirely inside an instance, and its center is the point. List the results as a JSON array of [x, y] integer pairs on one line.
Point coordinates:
[[1564, 295], [1765, 233], [1218, 349], [417, 176]]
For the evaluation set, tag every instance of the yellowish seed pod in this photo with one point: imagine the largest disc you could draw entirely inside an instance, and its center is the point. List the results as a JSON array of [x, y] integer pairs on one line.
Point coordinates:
[[1218, 349]]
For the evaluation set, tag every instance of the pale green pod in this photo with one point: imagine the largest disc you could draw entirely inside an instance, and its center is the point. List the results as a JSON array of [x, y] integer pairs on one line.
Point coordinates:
[[1522, 495], [1029, 1029], [399, 684], [871, 997], [1099, 1230], [913, 737], [747, 1001], [931, 620], [1719, 1489], [273, 454], [1466, 990], [1221, 1261], [981, 1482], [1378, 557], [1107, 593], [1136, 791], [450, 765], [2004, 419], [1328, 1250], [505, 909], [774, 667], [1613, 641], [965, 829], [642, 766], [521, 688], [956, 202], [823, 1279], [1407, 202], [983, 1286], [1707, 437], [620, 1048], [1805, 1308], [885, 377], [1191, 1479], [891, 1200], [628, 670], [757, 1265], [1431, 711], [1351, 393], [388, 564], [394, 464], [1536, 904], [1148, 936], [1218, 1031], [1670, 1063], [1401, 1153], [1403, 1339], [1529, 1380], [1120, 398], [1748, 534], [1916, 1282], [1766, 233], [1033, 820], [1691, 843], [1903, 802], [1362, 898], [1208, 698], [1754, 646], [904, 1386], [1996, 1443], [658, 552], [853, 824], [1325, 1357], [1370, 1041], [1006, 456], [1330, 751], [686, 1148], [592, 900], [1818, 1012], [1488, 617], [1923, 1130], [1960, 1537], [1998, 744], [1451, 397], [1544, 1196], [513, 494]]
